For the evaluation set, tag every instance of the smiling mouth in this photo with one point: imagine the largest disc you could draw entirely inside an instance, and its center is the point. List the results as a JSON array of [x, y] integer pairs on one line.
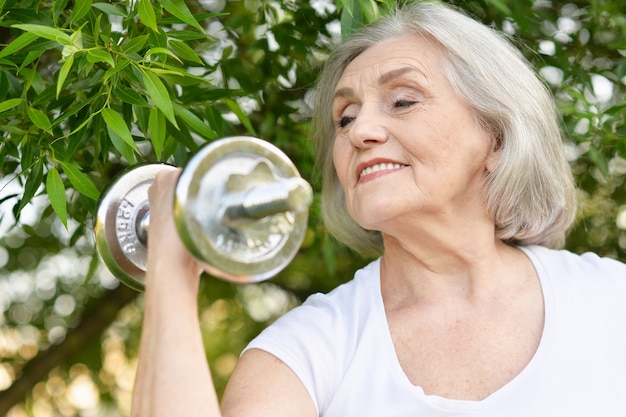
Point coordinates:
[[380, 167]]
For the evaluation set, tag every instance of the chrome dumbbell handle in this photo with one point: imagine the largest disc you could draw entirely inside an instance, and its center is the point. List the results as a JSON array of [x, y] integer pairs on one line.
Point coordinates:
[[292, 194], [240, 207], [142, 228]]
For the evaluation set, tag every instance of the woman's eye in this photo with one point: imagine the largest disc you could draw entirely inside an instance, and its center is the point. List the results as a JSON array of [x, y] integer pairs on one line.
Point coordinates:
[[403, 103], [344, 121]]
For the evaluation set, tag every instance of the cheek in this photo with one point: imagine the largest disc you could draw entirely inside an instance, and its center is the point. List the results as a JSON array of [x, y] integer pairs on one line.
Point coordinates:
[[341, 160]]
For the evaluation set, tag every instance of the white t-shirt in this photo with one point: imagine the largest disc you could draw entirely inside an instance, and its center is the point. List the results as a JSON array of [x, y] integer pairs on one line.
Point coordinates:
[[340, 347]]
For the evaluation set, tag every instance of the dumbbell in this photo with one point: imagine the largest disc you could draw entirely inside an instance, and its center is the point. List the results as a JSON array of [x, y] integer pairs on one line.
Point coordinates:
[[240, 208]]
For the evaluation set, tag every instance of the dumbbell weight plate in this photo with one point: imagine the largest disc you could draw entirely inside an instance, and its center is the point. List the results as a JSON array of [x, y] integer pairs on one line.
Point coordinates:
[[253, 250], [120, 211]]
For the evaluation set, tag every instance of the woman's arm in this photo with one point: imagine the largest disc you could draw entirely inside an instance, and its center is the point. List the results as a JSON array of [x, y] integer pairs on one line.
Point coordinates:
[[173, 376], [262, 385]]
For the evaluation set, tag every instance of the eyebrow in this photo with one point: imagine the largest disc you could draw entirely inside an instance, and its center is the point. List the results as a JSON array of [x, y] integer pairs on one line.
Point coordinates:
[[390, 75], [382, 80]]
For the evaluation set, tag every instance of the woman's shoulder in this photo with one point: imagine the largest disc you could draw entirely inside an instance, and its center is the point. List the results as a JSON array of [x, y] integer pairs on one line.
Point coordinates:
[[334, 312], [329, 312], [317, 339], [362, 285], [585, 271], [570, 261]]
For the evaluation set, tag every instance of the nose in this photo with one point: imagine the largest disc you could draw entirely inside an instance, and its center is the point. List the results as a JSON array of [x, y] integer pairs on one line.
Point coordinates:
[[368, 128]]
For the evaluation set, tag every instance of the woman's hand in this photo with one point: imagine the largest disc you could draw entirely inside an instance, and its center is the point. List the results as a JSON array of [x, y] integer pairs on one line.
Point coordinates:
[[165, 248]]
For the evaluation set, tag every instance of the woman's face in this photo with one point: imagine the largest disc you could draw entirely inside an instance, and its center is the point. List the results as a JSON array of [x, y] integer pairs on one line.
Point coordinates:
[[407, 148]]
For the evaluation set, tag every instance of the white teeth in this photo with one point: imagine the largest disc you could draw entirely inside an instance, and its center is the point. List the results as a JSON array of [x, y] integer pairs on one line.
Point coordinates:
[[380, 167]]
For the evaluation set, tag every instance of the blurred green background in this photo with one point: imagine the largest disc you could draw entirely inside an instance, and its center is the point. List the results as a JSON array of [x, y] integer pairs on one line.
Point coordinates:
[[88, 88]]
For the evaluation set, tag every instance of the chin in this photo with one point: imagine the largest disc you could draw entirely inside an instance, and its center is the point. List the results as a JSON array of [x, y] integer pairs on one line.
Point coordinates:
[[369, 222]]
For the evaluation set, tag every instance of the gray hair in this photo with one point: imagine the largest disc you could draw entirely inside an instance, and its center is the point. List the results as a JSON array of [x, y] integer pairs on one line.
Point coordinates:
[[530, 192]]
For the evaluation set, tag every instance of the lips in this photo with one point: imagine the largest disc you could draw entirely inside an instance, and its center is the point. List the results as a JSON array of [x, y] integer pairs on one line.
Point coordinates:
[[373, 167], [379, 167]]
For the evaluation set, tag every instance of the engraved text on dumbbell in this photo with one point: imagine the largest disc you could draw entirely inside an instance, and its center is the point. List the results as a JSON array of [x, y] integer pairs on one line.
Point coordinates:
[[124, 230]]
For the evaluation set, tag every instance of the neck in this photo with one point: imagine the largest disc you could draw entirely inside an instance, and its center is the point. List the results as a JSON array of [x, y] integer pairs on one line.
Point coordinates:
[[468, 266]]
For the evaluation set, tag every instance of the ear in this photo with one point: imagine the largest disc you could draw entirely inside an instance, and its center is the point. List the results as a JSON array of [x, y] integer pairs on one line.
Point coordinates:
[[495, 154], [492, 161]]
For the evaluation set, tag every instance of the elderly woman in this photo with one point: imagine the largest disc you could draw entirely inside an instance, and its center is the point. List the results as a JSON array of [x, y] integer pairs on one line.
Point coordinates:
[[440, 150]]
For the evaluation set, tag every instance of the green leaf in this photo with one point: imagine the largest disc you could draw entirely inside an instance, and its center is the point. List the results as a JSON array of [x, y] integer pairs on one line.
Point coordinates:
[[80, 9], [159, 50], [370, 10], [33, 182], [194, 122], [119, 66], [11, 128], [18, 44], [110, 9], [157, 127], [56, 194], [179, 9], [81, 125], [186, 35], [93, 268], [360, 11], [159, 95], [347, 6], [215, 119], [80, 181], [58, 8], [46, 32], [616, 109], [243, 118], [147, 15], [351, 18], [9, 104], [63, 72], [74, 142], [599, 160], [99, 55], [76, 44], [4, 85], [184, 51], [500, 5], [28, 154], [30, 57], [121, 146], [135, 44], [39, 119], [169, 70], [117, 124], [75, 109], [130, 96]]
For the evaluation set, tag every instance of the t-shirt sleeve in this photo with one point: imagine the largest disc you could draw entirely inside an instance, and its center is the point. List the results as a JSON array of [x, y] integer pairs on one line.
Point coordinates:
[[585, 280], [309, 339]]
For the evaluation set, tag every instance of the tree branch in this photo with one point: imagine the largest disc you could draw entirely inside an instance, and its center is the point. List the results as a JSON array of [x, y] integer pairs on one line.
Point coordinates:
[[95, 319]]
